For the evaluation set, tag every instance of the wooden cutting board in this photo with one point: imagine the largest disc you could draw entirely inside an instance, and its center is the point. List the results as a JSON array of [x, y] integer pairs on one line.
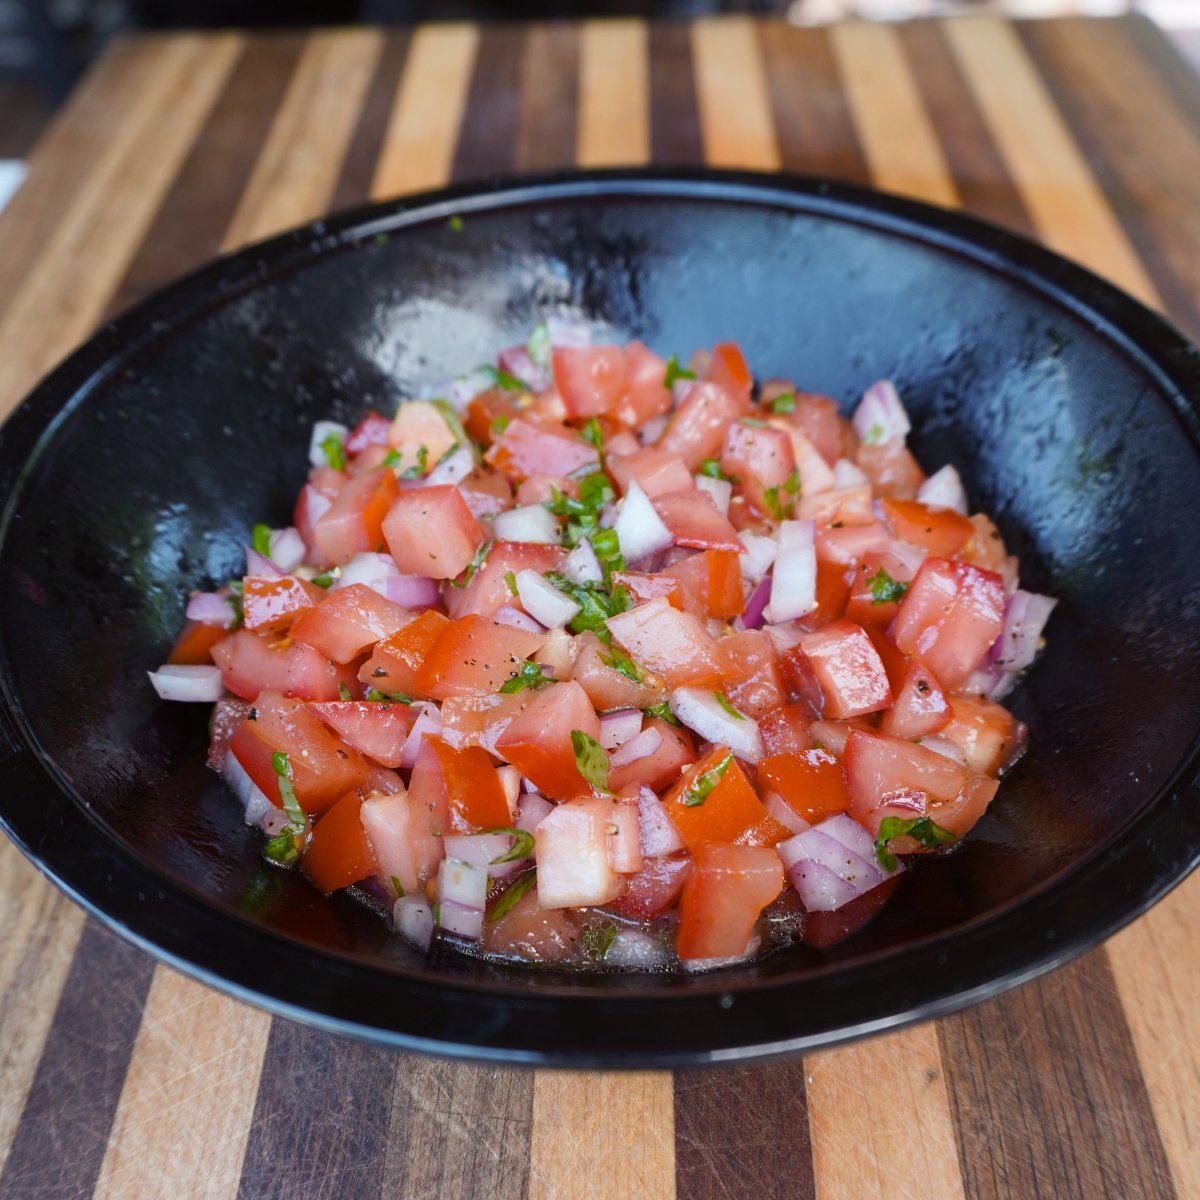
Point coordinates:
[[121, 1078]]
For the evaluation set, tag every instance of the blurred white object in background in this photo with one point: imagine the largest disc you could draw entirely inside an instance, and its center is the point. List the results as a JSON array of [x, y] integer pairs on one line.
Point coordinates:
[[12, 175]]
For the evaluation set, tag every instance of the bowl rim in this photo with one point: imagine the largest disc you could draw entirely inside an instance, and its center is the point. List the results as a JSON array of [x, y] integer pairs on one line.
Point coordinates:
[[592, 1024]]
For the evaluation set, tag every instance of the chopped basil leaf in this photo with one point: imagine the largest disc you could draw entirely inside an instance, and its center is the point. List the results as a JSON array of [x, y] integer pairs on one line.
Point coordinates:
[[620, 661], [702, 787], [785, 403], [516, 890], [235, 602], [538, 346], [662, 712], [281, 849], [511, 582], [474, 565], [530, 675], [452, 420], [391, 458], [522, 846], [334, 450], [712, 468], [389, 697], [398, 886], [779, 509], [885, 589], [502, 379], [596, 603], [453, 449], [455, 223], [675, 371], [792, 482], [260, 537], [592, 432], [723, 701], [344, 691], [591, 759], [754, 422], [607, 548], [417, 470], [923, 830], [501, 423], [599, 938], [323, 581]]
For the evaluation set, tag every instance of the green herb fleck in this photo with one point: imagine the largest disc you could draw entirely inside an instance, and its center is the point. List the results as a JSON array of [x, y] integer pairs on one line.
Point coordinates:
[[754, 422], [675, 371], [620, 661], [874, 435], [777, 508], [455, 223], [516, 890], [792, 482], [511, 581], [503, 380], [592, 432], [398, 886], [334, 450], [885, 589], [599, 938], [282, 847], [522, 846], [417, 469], [235, 602], [662, 712], [785, 403], [501, 423], [344, 691], [323, 581], [922, 829], [590, 759], [723, 701], [607, 548], [452, 420], [702, 787], [538, 346], [712, 468], [530, 675], [447, 453], [583, 515], [474, 565], [260, 538], [389, 697], [596, 604]]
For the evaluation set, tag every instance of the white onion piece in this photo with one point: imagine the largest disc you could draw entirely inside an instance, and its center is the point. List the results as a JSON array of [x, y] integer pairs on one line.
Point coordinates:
[[636, 951], [481, 850], [428, 722], [569, 333], [543, 601], [462, 894], [721, 491], [617, 727], [794, 580], [198, 685], [696, 965], [260, 564], [454, 468], [991, 681], [510, 781], [413, 916], [760, 554], [640, 746], [1021, 637], [640, 530], [460, 391], [287, 548], [532, 810], [529, 523], [508, 615], [320, 431], [582, 565], [785, 636], [945, 747], [210, 608], [659, 836], [256, 808], [411, 591], [701, 711], [820, 889], [911, 556], [783, 812], [944, 489], [847, 474], [370, 569], [880, 417]]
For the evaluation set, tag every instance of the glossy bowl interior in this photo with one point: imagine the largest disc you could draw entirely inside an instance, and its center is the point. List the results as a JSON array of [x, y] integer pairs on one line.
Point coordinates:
[[134, 472]]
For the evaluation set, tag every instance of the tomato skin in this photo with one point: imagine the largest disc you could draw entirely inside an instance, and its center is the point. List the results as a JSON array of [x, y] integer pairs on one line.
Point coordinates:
[[338, 852], [644, 588], [488, 589], [951, 615], [864, 607], [473, 791], [654, 470], [475, 656], [696, 430], [345, 622], [406, 830], [846, 544], [249, 664], [654, 888], [755, 683], [670, 643], [590, 379], [786, 730], [982, 730], [695, 521], [810, 783], [723, 895], [839, 671], [727, 366], [431, 532], [920, 708], [193, 646], [730, 812], [353, 523], [606, 687], [528, 447], [833, 594], [270, 604], [648, 396], [817, 417], [726, 597], [762, 458], [396, 661], [656, 770], [941, 531], [892, 470], [538, 741], [377, 729]]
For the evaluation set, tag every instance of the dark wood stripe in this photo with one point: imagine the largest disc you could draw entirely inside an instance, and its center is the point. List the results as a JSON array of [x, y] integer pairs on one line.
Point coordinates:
[[1143, 150], [675, 137], [489, 126], [321, 1119], [459, 1130], [1176, 73], [813, 125], [63, 1131], [1048, 1095], [549, 107], [979, 173], [190, 227], [358, 169], [743, 1132]]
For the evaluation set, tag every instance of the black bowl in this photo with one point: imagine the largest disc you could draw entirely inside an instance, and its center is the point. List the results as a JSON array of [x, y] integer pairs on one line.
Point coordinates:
[[134, 472]]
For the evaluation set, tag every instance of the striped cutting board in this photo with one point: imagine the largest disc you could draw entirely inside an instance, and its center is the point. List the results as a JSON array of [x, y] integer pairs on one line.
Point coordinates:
[[120, 1078]]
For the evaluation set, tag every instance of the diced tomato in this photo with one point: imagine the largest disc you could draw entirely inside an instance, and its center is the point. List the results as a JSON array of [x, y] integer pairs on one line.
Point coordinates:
[[573, 857], [890, 777], [696, 430], [591, 379], [538, 489], [833, 592], [322, 771], [346, 621], [353, 524], [648, 396], [838, 671], [249, 664], [849, 506], [491, 410], [528, 447], [311, 505], [696, 522], [656, 770], [654, 888], [726, 597], [430, 531], [376, 728], [486, 493], [869, 603], [786, 730], [645, 587], [895, 661], [731, 811], [655, 471], [370, 459], [986, 547], [396, 661], [475, 655], [761, 456], [951, 615], [532, 933], [847, 543], [817, 416], [339, 853], [982, 730], [538, 741], [419, 424], [725, 891], [473, 789], [479, 720], [691, 572], [271, 603], [833, 735], [727, 367], [810, 783], [892, 470], [407, 829], [822, 929], [488, 589], [754, 684], [668, 642], [372, 430], [941, 531], [606, 687], [193, 646], [815, 473], [921, 707]]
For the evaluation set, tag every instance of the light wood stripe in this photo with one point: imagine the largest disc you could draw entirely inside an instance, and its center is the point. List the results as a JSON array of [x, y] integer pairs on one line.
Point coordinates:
[[602, 1135], [880, 1120], [298, 168], [731, 91], [185, 1109], [898, 138], [1066, 203], [614, 94], [63, 295], [418, 148]]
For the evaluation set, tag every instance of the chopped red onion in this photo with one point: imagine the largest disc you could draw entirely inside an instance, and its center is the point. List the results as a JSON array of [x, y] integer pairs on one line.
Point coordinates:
[[784, 813], [756, 604], [659, 836], [320, 431], [617, 727], [1024, 619], [831, 863], [582, 565], [944, 489], [211, 608], [760, 554], [370, 569], [847, 474], [198, 684], [641, 745], [701, 711], [880, 417], [636, 950], [413, 917], [794, 579], [508, 615], [259, 564], [721, 491], [287, 548], [653, 429], [990, 680], [532, 810], [640, 530], [411, 591], [454, 468], [428, 722], [529, 523], [481, 850], [462, 894], [821, 889], [543, 601]]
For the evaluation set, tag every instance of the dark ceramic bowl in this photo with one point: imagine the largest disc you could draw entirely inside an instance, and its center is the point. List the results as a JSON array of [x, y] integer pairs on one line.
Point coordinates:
[[133, 473]]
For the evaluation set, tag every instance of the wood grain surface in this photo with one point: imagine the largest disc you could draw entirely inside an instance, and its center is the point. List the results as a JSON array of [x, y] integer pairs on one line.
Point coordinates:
[[120, 1078]]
